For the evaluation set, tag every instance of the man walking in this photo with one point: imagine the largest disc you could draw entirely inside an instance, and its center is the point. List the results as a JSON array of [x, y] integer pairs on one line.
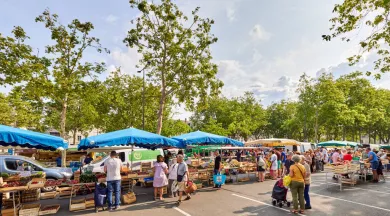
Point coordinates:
[[112, 168], [182, 177], [217, 167]]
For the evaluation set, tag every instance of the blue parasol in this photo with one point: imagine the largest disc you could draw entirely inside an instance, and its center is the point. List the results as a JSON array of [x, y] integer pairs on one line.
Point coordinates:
[[200, 137], [127, 137], [10, 136]]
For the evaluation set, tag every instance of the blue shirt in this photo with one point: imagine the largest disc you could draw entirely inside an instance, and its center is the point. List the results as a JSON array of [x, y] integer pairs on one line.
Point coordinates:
[[59, 161], [374, 157], [283, 157], [88, 160]]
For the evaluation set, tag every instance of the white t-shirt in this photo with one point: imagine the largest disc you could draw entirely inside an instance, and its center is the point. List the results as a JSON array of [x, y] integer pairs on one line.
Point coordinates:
[[173, 172], [113, 169], [274, 161]]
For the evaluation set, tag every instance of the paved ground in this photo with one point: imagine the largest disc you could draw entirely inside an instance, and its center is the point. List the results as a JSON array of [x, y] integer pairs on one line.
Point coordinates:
[[252, 198]]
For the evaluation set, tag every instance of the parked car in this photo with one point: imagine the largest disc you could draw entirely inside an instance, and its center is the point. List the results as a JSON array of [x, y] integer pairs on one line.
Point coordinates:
[[140, 155], [15, 164]]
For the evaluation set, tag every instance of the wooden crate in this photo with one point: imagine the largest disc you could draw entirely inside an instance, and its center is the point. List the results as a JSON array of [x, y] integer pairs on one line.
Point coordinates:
[[77, 204], [30, 209], [31, 195], [9, 211], [40, 183], [49, 209], [48, 195], [90, 202]]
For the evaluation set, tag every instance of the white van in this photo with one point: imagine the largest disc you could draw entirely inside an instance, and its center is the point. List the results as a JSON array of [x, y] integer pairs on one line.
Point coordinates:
[[302, 148], [139, 156]]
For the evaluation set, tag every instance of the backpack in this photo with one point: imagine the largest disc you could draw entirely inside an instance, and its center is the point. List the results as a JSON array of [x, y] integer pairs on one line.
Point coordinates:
[[261, 162]]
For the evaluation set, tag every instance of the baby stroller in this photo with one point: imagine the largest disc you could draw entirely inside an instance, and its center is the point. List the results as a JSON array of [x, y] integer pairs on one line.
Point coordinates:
[[100, 196], [279, 194]]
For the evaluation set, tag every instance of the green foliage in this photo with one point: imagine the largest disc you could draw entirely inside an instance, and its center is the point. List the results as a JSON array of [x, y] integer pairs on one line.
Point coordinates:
[[174, 128], [237, 117], [353, 15], [177, 48]]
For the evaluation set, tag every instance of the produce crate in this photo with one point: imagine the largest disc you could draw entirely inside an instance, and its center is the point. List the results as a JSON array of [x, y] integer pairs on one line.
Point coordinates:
[[36, 183], [30, 209], [65, 192], [48, 195], [132, 175], [8, 210], [90, 202], [31, 195], [49, 209], [77, 204], [199, 185]]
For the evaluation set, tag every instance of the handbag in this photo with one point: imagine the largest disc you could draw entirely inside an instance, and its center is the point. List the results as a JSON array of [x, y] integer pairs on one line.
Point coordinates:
[[219, 179], [286, 180], [180, 177]]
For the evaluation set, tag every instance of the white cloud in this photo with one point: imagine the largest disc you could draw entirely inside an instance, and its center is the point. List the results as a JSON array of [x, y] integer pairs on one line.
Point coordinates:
[[126, 60], [231, 13], [111, 18], [258, 33]]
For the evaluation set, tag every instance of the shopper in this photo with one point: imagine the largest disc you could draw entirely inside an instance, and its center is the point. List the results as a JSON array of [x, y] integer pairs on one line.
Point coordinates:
[[172, 177], [160, 180], [238, 155], [348, 156], [274, 165], [373, 159], [279, 157], [288, 163], [182, 177], [307, 183], [261, 166], [217, 167], [112, 168], [297, 174], [88, 159], [284, 157]]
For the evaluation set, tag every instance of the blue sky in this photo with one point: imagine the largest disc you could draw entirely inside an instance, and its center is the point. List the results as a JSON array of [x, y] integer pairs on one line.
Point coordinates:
[[264, 46]]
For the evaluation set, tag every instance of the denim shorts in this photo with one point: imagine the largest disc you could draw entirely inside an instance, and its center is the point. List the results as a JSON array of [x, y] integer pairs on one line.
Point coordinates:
[[374, 165]]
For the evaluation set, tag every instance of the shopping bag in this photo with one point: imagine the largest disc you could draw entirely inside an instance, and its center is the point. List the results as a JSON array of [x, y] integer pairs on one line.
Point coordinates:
[[129, 198], [191, 187], [219, 179], [286, 180]]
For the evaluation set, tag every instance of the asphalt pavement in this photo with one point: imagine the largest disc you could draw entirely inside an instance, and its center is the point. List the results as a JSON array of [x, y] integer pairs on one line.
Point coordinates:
[[253, 198]]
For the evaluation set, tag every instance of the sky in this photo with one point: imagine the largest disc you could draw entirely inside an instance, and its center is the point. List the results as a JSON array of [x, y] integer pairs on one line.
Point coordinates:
[[263, 46]]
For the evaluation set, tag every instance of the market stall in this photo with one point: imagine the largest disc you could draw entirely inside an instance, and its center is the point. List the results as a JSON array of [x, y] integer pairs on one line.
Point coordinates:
[[201, 169], [24, 182], [126, 138]]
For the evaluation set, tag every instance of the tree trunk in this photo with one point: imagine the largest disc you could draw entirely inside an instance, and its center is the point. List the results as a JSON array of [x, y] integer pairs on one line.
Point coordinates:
[[74, 136], [62, 126]]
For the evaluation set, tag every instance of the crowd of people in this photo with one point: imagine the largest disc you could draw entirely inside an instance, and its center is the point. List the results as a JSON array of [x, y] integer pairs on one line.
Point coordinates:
[[173, 171]]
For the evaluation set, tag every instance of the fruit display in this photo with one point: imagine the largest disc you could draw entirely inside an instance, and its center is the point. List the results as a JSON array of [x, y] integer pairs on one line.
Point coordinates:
[[14, 184], [53, 183], [100, 175], [87, 178]]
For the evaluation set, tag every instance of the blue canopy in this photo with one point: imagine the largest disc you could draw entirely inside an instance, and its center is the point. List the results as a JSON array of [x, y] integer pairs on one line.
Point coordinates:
[[10, 136], [200, 137], [127, 137]]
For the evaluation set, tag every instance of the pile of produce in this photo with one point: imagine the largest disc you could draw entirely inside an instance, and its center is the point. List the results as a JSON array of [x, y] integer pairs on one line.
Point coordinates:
[[14, 184], [53, 183], [88, 177], [100, 175], [234, 163]]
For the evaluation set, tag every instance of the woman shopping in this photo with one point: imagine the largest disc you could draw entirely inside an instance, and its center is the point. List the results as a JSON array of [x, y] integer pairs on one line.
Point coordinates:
[[297, 174], [160, 179]]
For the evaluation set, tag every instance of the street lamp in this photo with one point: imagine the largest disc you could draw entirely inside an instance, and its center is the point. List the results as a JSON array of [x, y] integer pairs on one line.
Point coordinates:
[[143, 94]]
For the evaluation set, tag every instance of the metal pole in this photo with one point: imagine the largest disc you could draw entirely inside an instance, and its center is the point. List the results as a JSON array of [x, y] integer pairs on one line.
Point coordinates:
[[143, 101]]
